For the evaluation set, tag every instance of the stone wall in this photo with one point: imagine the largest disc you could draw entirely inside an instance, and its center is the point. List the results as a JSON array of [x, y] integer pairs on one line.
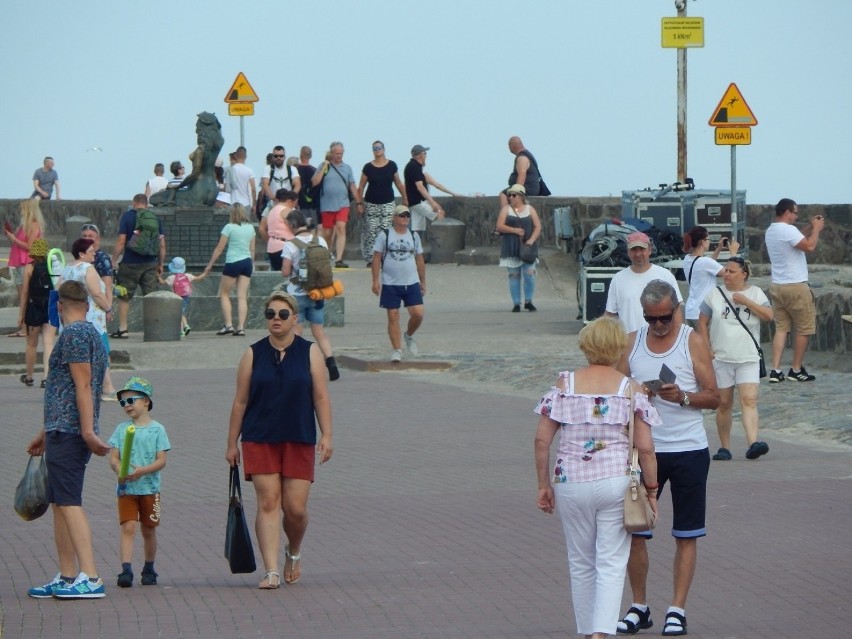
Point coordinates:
[[199, 229]]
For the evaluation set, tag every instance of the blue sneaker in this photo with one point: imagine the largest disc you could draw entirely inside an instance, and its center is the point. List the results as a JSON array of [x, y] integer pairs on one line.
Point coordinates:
[[46, 591], [82, 588]]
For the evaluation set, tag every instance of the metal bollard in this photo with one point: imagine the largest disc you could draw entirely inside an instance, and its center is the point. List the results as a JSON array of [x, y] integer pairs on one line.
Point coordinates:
[[161, 317]]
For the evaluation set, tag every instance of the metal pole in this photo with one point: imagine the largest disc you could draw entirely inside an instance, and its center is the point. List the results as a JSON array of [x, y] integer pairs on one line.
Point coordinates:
[[242, 131], [681, 102], [733, 191]]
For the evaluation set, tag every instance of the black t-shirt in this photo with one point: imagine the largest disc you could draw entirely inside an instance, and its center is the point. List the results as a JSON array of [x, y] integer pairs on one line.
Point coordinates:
[[380, 182], [414, 173], [306, 172]]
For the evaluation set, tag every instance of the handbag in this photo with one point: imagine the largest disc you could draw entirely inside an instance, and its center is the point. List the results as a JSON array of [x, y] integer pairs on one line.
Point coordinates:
[[528, 253], [762, 362], [238, 548], [638, 515]]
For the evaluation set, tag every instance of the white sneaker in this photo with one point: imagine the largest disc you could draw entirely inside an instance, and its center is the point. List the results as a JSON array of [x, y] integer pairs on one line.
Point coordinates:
[[396, 356], [410, 344]]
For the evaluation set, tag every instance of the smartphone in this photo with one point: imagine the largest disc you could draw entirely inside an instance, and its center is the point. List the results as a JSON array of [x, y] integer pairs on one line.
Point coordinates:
[[654, 385], [8, 226], [667, 375]]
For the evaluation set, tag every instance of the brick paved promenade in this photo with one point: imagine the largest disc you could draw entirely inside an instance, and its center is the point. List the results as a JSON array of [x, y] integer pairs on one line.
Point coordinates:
[[424, 522]]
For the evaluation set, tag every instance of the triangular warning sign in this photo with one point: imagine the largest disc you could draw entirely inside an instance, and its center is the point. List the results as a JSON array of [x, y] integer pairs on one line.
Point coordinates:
[[241, 91], [732, 110]]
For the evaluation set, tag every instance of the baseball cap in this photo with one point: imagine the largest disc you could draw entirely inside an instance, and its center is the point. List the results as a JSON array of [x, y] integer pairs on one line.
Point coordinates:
[[638, 239], [139, 385], [417, 149], [400, 209]]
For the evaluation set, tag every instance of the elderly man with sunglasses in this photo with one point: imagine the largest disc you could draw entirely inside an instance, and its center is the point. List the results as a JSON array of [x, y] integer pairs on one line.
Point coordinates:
[[623, 296], [675, 361]]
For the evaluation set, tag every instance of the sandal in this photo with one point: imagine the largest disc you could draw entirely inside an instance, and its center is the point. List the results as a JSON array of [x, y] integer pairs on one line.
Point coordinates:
[[675, 627], [272, 579], [44, 383], [294, 563], [225, 330], [630, 627], [119, 334], [26, 380], [239, 333]]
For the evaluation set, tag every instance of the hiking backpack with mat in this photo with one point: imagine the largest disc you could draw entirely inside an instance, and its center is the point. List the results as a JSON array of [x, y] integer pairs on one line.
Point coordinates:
[[314, 265]]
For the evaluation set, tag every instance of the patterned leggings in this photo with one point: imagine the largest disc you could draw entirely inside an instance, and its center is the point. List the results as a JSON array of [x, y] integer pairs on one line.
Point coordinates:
[[377, 217]]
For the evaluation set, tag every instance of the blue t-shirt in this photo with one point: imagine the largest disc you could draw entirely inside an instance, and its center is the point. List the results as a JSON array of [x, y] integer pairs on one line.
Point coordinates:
[[126, 227], [78, 343], [147, 442], [335, 188], [103, 264], [239, 241]]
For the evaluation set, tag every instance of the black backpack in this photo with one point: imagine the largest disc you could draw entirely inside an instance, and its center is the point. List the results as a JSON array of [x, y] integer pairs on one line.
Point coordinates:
[[40, 283]]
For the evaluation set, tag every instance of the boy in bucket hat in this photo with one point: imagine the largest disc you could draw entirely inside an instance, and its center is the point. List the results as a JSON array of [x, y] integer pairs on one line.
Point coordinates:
[[139, 490]]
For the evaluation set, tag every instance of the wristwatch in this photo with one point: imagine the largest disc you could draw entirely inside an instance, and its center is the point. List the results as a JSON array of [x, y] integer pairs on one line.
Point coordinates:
[[685, 401]]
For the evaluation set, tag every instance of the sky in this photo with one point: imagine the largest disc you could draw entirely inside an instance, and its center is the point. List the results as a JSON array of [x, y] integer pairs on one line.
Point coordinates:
[[585, 84]]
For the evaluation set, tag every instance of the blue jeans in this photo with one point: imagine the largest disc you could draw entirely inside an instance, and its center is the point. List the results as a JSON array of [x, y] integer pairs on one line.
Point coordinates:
[[515, 273]]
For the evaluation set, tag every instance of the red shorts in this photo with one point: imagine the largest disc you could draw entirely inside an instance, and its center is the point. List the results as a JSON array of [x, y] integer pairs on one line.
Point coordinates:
[[288, 459], [330, 217], [142, 508]]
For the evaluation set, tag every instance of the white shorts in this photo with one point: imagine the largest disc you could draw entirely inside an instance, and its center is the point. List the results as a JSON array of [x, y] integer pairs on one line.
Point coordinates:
[[420, 213], [731, 373]]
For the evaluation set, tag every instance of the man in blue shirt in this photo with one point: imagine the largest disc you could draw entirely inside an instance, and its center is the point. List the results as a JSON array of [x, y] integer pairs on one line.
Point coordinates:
[[338, 189]]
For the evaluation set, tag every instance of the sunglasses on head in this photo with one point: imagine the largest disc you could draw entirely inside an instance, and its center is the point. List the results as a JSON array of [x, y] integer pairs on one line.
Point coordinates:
[[664, 319], [283, 313], [127, 401], [90, 227]]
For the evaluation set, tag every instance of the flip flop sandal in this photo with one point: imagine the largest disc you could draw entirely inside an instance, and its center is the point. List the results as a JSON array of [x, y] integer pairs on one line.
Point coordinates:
[[294, 562], [26, 380], [272, 579], [675, 627], [632, 628], [119, 334]]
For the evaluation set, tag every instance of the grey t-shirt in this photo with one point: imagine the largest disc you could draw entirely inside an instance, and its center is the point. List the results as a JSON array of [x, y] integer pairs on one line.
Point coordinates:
[[46, 179], [335, 188], [399, 267]]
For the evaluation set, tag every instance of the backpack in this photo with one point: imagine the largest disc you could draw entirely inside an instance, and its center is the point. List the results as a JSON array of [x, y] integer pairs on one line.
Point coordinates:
[[314, 265], [308, 194], [40, 283], [413, 248], [182, 286], [263, 198], [146, 236]]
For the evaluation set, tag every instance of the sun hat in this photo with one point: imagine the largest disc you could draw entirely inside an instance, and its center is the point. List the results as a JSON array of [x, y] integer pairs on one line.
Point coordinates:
[[140, 385], [177, 265], [417, 149], [638, 239], [224, 198], [516, 188], [38, 248]]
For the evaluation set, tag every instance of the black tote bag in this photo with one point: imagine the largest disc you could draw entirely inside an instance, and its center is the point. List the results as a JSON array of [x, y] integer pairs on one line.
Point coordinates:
[[238, 548]]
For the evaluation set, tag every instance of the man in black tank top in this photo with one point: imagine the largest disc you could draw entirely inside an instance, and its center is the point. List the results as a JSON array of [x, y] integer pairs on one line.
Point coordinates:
[[524, 170]]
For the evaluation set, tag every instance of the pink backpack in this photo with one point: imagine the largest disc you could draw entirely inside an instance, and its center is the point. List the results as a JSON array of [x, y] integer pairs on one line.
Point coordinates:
[[182, 286]]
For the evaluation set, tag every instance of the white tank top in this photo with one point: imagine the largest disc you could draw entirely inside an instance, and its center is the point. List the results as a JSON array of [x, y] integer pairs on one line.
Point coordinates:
[[682, 428]]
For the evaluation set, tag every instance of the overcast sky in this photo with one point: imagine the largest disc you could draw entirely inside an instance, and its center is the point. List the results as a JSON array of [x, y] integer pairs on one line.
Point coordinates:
[[585, 84]]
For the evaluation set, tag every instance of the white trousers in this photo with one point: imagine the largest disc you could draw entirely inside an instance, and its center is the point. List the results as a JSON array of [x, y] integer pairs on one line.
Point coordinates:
[[592, 516]]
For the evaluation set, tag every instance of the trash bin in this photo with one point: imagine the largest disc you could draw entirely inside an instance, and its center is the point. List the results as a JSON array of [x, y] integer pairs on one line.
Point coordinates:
[[73, 227], [161, 317], [446, 237]]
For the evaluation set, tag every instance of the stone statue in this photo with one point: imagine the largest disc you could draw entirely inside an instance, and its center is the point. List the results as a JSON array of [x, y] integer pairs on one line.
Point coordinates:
[[199, 188]]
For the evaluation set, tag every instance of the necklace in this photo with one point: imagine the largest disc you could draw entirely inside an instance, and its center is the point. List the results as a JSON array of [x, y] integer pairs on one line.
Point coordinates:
[[282, 351]]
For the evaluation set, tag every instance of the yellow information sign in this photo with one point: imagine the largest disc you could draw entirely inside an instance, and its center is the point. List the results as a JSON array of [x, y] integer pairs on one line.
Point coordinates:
[[241, 91], [682, 33], [732, 110], [728, 135], [241, 108]]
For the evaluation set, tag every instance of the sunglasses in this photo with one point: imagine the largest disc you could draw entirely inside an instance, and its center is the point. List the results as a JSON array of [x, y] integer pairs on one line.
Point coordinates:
[[378, 147], [127, 401], [404, 214], [275, 155], [663, 319], [512, 194], [283, 313]]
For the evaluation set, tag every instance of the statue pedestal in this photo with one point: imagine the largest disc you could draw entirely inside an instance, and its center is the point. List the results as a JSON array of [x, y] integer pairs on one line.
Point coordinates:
[[192, 233]]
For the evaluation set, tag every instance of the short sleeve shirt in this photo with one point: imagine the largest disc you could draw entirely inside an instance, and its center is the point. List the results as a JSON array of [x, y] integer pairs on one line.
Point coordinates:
[[294, 254], [704, 272], [335, 188], [625, 290], [380, 182], [103, 264], [398, 250], [413, 174], [46, 179], [728, 340], [789, 264], [79, 343], [126, 227], [147, 442], [239, 241]]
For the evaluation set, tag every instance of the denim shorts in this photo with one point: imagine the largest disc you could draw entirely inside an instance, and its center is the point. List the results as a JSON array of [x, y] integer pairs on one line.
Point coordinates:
[[311, 311], [236, 269], [66, 455]]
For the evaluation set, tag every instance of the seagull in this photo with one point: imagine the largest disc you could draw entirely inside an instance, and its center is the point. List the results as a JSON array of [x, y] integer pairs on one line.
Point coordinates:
[[94, 148]]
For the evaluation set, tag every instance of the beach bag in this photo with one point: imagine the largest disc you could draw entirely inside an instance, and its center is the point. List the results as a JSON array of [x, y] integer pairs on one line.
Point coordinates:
[[238, 548], [31, 494], [146, 236], [314, 266], [181, 286]]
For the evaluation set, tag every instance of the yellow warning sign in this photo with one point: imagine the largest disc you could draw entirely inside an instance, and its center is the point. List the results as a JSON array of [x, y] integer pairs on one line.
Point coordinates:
[[730, 135], [732, 110], [241, 108], [241, 91]]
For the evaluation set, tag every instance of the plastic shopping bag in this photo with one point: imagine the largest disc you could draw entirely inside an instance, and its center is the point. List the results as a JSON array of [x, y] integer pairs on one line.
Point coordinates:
[[31, 494]]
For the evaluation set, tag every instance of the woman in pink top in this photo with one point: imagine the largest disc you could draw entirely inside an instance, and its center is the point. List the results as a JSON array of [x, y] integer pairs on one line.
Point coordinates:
[[590, 408], [274, 228], [31, 228]]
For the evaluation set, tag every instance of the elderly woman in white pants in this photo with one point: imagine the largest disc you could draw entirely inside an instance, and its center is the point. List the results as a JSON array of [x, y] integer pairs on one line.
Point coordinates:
[[590, 408]]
